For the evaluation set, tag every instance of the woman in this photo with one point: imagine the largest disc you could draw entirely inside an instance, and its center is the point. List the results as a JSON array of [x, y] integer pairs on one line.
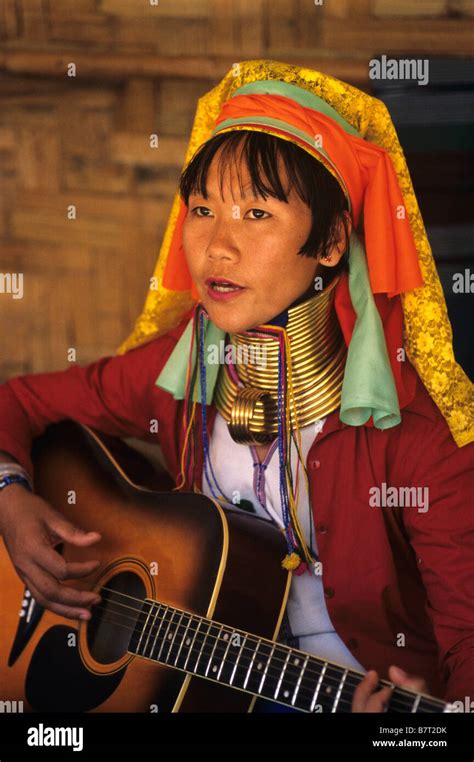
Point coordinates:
[[290, 243]]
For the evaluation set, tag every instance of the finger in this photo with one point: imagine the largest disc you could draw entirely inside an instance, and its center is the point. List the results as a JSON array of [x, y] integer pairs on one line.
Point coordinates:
[[364, 690], [404, 680], [54, 592], [78, 569], [70, 612], [52, 562], [379, 700], [67, 531]]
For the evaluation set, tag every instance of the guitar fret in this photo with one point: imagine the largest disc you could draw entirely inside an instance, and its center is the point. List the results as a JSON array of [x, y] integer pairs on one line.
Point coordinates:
[[258, 677], [291, 674], [202, 647], [163, 639], [318, 687], [183, 639], [170, 638], [339, 691], [169, 655], [220, 659], [145, 626], [266, 670], [295, 694], [192, 643], [238, 669], [329, 687], [211, 656], [415, 704], [233, 665], [348, 689], [224, 657], [430, 705], [249, 670], [157, 631], [237, 663], [275, 695]]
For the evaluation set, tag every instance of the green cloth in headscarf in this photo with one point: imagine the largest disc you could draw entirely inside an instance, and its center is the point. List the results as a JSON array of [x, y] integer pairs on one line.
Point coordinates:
[[368, 387], [173, 376]]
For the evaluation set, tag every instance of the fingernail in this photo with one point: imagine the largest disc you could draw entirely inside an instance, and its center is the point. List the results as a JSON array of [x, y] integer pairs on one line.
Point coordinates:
[[84, 615], [400, 671]]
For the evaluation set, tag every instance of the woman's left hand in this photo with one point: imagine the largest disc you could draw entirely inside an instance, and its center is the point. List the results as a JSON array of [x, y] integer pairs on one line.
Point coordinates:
[[365, 700]]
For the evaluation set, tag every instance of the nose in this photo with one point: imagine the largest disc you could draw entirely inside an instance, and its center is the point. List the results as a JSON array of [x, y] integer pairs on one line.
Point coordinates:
[[222, 243]]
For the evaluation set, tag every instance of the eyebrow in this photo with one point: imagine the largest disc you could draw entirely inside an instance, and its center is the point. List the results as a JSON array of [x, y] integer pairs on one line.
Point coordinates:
[[210, 195]]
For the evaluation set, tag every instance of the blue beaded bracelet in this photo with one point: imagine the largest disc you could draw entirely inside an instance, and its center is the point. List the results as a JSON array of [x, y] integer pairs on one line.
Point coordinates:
[[6, 480]]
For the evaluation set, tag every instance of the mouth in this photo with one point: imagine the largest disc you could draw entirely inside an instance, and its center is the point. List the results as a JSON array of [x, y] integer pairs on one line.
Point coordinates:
[[220, 288]]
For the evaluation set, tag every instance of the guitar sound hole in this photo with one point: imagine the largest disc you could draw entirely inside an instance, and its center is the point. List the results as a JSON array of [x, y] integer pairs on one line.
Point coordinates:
[[114, 618]]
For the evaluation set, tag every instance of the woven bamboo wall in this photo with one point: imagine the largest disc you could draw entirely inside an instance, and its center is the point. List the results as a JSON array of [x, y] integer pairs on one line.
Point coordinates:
[[84, 140]]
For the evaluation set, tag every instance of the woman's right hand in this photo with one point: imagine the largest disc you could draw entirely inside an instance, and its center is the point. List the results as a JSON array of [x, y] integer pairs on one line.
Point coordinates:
[[31, 528]]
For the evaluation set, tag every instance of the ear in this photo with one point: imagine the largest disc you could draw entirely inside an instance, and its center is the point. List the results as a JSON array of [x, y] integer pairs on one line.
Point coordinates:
[[336, 252]]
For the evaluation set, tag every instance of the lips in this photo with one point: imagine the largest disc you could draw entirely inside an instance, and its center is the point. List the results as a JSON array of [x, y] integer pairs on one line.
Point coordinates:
[[222, 282], [221, 289]]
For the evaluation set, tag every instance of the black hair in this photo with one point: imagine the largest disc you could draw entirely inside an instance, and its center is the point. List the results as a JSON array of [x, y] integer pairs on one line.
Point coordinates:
[[314, 184]]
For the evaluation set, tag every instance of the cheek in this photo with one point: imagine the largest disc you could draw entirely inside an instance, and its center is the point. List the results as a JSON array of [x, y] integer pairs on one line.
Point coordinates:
[[188, 237], [190, 247], [280, 262]]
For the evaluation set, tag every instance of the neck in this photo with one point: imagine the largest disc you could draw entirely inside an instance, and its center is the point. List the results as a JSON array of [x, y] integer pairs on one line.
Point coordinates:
[[309, 339], [309, 293]]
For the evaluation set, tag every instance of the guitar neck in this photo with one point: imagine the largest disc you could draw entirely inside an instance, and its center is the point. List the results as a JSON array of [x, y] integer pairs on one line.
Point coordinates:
[[261, 667]]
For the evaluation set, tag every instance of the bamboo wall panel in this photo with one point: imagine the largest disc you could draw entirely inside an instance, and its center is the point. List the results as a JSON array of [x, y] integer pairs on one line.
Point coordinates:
[[84, 141]]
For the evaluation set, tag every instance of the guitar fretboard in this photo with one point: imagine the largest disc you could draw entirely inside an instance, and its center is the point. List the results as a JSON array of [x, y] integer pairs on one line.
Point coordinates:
[[236, 658]]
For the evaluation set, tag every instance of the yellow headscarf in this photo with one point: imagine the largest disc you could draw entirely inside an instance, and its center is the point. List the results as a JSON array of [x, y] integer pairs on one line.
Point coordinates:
[[428, 334]]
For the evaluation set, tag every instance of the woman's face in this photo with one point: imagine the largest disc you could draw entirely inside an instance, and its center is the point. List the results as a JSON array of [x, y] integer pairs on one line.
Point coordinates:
[[251, 242]]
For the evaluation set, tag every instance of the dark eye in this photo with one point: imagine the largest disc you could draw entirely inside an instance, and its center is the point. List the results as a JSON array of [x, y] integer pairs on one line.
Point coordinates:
[[200, 211], [260, 214]]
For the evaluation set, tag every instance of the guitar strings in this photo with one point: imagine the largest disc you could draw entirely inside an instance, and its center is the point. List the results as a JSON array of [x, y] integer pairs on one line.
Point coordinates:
[[351, 674], [154, 629], [212, 638], [301, 691], [394, 701]]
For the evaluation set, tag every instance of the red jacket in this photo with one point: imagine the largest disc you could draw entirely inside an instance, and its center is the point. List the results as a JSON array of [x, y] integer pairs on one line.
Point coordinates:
[[399, 582]]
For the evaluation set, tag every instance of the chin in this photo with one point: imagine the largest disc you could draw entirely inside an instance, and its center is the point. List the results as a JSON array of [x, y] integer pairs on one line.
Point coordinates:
[[226, 318]]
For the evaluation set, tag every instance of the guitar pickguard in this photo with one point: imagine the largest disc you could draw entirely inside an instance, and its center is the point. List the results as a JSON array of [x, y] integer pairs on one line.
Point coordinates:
[[29, 617], [57, 679]]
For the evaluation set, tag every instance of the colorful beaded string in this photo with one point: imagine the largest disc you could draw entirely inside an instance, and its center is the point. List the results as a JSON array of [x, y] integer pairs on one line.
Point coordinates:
[[296, 545]]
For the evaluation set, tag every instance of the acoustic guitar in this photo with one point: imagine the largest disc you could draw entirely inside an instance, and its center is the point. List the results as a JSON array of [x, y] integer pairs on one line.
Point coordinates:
[[192, 599]]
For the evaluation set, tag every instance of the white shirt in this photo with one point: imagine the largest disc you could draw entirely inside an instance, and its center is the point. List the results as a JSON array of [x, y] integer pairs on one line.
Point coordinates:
[[242, 477]]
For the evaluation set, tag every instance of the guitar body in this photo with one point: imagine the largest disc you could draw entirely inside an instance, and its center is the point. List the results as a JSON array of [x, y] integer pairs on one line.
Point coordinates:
[[182, 549]]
